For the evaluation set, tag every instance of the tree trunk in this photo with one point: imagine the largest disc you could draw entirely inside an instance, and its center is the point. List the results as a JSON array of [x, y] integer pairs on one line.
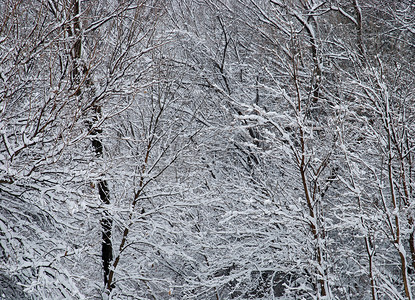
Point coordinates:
[[106, 220], [78, 71]]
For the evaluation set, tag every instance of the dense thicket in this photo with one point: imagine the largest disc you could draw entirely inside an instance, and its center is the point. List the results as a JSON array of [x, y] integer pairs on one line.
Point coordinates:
[[209, 149]]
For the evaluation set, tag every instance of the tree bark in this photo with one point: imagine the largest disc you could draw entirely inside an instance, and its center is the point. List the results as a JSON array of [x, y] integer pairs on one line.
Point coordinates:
[[79, 71], [106, 220]]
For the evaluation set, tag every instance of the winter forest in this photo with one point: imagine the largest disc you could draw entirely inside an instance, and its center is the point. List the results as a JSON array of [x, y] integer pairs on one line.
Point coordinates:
[[207, 149]]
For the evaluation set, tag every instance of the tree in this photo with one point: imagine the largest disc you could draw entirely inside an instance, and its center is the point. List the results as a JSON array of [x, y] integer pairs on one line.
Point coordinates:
[[55, 80]]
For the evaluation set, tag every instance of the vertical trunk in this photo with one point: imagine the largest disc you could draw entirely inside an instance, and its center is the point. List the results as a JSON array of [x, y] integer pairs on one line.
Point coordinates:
[[410, 192], [404, 269], [78, 71], [407, 200], [369, 251], [398, 241], [309, 197], [405, 179], [412, 245], [106, 221], [315, 231], [137, 194], [359, 28], [405, 278]]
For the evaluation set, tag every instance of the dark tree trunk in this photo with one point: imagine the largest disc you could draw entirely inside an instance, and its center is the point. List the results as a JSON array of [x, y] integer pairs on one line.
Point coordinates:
[[78, 72], [106, 220], [412, 248]]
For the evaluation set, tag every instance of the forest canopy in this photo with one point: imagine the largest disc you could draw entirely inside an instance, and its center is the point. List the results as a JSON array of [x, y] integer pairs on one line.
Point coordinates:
[[209, 149]]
